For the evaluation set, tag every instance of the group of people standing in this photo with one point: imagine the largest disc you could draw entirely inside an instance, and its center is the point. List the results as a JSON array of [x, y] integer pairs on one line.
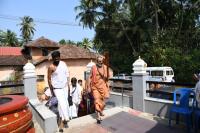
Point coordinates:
[[59, 84]]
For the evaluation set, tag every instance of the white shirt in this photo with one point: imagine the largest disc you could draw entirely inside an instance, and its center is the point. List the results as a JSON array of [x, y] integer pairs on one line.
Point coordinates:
[[59, 77], [75, 92]]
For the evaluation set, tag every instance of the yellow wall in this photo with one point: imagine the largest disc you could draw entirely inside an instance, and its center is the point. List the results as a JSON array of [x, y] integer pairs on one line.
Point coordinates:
[[6, 72], [76, 68]]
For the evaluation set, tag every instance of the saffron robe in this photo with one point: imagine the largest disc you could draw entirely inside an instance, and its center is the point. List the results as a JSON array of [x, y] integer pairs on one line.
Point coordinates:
[[99, 86]]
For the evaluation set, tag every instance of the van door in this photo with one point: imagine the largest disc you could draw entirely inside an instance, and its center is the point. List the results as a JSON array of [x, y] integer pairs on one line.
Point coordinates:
[[169, 75]]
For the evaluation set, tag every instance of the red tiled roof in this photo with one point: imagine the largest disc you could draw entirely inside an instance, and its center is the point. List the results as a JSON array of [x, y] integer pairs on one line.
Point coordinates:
[[10, 51], [67, 52]]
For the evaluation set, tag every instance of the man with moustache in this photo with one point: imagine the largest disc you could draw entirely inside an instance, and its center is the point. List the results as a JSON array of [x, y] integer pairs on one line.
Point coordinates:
[[58, 80], [99, 86]]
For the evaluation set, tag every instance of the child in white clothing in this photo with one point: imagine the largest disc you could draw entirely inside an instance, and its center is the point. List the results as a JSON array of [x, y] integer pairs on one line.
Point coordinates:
[[75, 92]]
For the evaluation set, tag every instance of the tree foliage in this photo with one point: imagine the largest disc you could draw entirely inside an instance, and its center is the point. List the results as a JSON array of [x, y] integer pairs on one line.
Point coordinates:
[[9, 38], [27, 28], [67, 42], [163, 33], [86, 44]]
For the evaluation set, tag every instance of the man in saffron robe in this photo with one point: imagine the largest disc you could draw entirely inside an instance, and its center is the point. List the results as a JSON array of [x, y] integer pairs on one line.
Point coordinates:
[[99, 86]]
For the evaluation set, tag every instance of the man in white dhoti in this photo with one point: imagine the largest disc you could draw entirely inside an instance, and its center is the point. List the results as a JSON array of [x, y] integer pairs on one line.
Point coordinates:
[[75, 92], [58, 77]]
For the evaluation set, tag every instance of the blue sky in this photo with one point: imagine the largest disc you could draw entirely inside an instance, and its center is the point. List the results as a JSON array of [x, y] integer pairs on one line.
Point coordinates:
[[61, 11]]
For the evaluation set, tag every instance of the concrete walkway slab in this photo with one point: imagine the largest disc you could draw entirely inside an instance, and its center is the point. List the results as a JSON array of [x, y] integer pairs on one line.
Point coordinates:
[[121, 120]]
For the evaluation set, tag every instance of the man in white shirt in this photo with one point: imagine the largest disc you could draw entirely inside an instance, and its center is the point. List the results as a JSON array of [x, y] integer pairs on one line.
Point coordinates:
[[58, 77]]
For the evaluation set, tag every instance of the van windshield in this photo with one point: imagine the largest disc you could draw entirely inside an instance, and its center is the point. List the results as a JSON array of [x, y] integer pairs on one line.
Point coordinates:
[[169, 72], [156, 73]]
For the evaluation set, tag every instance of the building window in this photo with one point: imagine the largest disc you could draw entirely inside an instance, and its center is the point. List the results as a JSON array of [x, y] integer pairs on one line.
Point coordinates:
[[40, 77], [44, 52]]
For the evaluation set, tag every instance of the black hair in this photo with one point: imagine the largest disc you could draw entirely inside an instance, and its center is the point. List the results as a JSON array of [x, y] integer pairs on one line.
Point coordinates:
[[79, 80], [73, 79], [55, 54], [26, 53]]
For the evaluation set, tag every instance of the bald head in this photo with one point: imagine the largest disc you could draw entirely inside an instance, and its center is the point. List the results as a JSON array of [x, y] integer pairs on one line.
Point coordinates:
[[100, 60]]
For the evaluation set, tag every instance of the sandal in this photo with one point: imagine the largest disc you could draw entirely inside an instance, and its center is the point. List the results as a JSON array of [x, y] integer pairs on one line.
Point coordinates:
[[98, 121], [61, 130]]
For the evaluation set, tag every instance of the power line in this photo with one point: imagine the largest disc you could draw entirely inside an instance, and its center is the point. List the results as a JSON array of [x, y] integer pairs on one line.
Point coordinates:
[[62, 23], [17, 18]]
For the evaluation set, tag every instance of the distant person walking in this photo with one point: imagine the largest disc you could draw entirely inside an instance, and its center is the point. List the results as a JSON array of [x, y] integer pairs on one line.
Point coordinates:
[[80, 82], [58, 77], [75, 92], [99, 86]]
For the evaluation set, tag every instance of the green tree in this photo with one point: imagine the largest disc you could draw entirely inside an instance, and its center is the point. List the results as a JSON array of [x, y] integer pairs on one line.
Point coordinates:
[[69, 42], [9, 38], [27, 28], [86, 44], [88, 14], [123, 32], [164, 33], [1, 36], [62, 42]]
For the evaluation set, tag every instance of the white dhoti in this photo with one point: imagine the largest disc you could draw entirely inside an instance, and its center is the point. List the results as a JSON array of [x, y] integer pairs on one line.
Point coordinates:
[[73, 111], [63, 106], [75, 92]]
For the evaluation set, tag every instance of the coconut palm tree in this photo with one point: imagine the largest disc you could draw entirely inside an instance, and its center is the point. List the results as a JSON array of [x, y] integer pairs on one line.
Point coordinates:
[[27, 28], [9, 38], [88, 14], [86, 44]]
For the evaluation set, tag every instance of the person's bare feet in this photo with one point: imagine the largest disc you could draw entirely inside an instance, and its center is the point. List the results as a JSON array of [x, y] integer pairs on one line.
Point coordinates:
[[98, 118], [61, 126], [65, 124], [61, 130], [102, 114]]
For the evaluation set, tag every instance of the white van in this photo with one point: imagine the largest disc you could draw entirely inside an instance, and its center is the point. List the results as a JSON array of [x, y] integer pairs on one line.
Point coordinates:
[[163, 74]]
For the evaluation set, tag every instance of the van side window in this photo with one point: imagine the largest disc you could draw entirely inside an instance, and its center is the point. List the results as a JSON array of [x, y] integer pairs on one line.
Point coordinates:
[[156, 73]]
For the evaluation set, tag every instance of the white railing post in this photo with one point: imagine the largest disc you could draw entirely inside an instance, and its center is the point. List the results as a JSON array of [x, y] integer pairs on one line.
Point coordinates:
[[30, 87], [44, 117], [139, 77]]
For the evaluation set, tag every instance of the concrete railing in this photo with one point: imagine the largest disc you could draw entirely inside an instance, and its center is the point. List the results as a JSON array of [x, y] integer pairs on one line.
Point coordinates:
[[44, 117], [157, 102], [141, 99]]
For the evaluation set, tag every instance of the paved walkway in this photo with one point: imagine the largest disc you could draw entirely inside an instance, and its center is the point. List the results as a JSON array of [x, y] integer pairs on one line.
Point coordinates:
[[120, 120]]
